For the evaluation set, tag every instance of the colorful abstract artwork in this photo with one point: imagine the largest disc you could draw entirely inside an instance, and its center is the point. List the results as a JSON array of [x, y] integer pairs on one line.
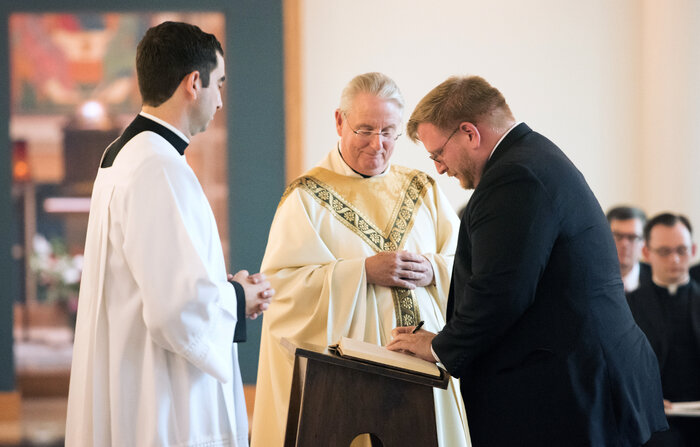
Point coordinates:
[[61, 60]]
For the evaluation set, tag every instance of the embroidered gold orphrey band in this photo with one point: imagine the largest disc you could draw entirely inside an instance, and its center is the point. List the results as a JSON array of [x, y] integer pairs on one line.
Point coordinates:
[[405, 302]]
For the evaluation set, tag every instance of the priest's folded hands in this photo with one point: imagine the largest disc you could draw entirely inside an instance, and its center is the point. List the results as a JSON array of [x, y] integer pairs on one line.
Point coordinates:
[[399, 269], [258, 292]]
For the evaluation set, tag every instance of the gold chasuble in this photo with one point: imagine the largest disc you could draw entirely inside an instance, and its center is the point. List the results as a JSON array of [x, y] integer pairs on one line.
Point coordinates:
[[384, 228], [327, 223]]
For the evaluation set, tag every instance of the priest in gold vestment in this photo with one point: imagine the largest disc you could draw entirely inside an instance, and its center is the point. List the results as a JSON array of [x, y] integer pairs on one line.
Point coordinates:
[[357, 247]]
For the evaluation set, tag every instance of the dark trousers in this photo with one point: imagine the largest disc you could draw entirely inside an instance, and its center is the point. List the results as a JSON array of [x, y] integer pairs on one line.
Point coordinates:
[[683, 432]]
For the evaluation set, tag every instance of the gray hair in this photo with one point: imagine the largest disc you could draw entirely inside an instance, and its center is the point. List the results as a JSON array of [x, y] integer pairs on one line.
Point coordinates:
[[626, 213], [377, 84]]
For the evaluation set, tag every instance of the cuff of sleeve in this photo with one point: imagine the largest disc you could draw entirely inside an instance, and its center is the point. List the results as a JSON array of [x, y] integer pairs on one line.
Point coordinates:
[[239, 333], [209, 349], [437, 359]]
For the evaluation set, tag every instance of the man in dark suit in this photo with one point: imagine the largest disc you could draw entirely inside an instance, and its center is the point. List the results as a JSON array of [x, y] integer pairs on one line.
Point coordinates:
[[627, 224], [668, 311], [538, 328]]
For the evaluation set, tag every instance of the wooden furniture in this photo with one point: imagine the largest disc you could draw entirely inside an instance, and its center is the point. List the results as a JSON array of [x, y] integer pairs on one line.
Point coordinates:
[[335, 399]]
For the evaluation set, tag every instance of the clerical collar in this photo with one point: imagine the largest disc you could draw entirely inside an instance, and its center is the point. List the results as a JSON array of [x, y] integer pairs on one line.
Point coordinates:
[[350, 167], [142, 123], [177, 131], [672, 288]]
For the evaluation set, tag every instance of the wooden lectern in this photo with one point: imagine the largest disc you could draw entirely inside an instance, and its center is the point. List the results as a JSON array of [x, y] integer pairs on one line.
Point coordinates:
[[334, 399]]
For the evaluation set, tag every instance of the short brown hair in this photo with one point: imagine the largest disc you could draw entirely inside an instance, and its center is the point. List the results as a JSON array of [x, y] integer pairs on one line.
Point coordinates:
[[458, 99]]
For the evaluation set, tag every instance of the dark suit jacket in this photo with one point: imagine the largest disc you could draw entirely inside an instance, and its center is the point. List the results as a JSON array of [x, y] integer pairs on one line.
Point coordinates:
[[538, 328], [648, 311]]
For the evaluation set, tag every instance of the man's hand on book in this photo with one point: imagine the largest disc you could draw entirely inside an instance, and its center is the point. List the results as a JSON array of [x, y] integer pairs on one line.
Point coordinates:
[[417, 344]]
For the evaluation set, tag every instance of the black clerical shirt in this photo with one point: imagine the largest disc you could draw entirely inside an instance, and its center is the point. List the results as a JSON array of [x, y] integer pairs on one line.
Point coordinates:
[[680, 375], [669, 322]]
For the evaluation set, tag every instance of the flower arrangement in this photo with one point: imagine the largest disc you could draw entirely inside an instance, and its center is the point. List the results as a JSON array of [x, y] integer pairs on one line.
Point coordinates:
[[58, 273]]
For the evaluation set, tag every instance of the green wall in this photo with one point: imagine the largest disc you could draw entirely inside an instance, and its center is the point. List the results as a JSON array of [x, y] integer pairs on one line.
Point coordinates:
[[255, 115]]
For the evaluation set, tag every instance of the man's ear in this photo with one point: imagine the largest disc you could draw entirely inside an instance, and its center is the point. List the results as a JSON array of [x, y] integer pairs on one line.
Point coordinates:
[[472, 133], [645, 252], [339, 122], [192, 84]]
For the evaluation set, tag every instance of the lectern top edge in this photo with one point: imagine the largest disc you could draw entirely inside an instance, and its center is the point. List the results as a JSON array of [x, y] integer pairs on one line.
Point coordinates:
[[321, 353]]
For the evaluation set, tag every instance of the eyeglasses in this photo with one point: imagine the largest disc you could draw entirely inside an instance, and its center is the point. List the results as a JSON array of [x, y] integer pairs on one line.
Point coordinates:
[[388, 134], [435, 155], [681, 251], [631, 237]]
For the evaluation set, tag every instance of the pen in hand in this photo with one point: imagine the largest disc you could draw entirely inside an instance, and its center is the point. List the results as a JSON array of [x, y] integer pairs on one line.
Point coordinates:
[[417, 328]]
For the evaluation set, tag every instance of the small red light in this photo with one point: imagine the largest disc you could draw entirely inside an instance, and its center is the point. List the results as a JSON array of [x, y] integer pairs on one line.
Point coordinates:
[[20, 162]]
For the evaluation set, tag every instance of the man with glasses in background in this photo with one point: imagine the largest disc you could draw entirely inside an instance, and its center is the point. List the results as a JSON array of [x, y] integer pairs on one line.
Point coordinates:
[[668, 311], [357, 247], [627, 224]]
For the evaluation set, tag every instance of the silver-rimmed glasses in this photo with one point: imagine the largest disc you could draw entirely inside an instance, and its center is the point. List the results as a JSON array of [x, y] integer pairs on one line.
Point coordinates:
[[388, 134]]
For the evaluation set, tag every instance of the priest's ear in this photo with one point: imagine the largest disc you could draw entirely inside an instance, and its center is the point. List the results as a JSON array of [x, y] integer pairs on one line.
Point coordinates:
[[192, 84], [339, 122]]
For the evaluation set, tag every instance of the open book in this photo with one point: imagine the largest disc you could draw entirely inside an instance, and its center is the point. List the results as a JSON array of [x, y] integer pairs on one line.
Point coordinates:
[[371, 353]]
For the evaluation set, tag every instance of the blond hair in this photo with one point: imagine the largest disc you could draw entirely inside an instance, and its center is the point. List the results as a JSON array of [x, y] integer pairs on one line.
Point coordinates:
[[459, 99], [374, 83]]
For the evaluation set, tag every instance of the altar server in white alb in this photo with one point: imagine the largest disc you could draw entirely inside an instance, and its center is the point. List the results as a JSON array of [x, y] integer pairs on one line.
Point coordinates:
[[154, 362], [357, 247]]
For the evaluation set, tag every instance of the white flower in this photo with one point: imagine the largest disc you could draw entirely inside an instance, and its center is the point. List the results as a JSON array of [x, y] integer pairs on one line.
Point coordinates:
[[70, 275], [78, 262], [42, 247], [58, 273]]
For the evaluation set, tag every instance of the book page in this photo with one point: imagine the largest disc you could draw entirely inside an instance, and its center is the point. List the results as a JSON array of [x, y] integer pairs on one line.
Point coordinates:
[[358, 349]]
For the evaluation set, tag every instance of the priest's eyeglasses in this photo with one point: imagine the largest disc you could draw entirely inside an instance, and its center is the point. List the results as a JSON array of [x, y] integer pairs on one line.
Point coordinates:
[[435, 155], [682, 251], [388, 134]]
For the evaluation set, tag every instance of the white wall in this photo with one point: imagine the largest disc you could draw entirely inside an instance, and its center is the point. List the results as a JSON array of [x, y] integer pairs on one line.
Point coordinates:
[[577, 72], [671, 120]]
